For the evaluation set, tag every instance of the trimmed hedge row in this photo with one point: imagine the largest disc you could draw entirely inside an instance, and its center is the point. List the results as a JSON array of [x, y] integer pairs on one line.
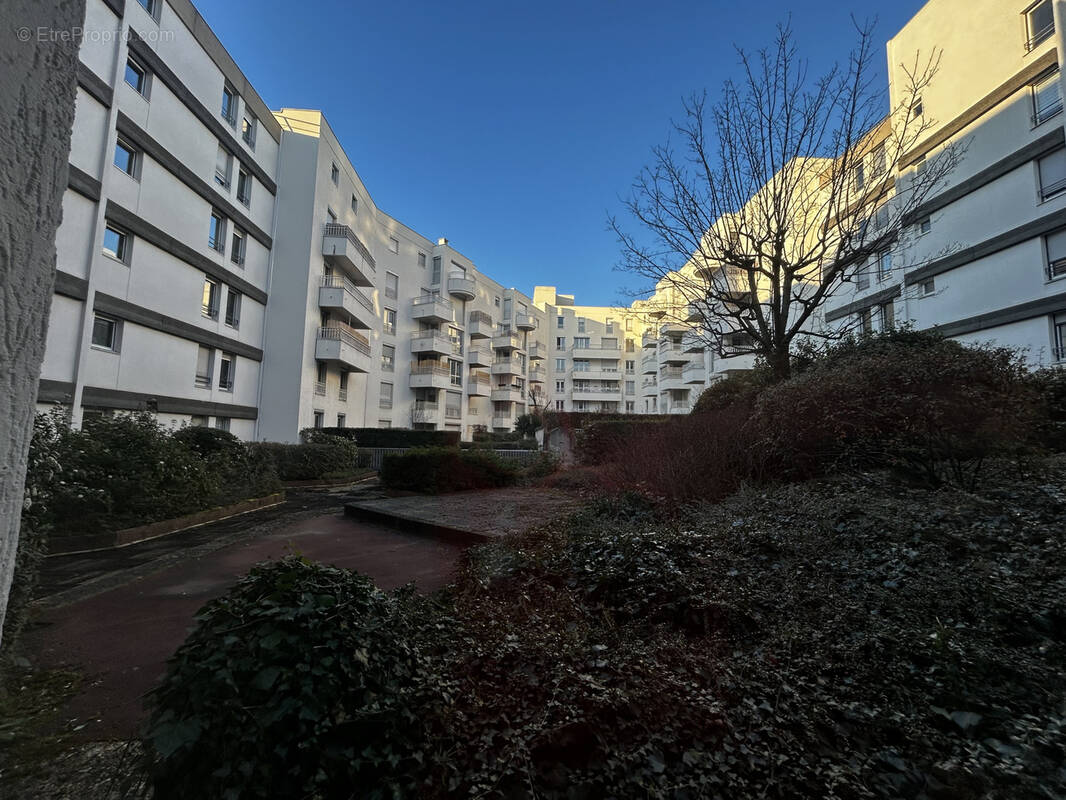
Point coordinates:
[[446, 469], [391, 437], [307, 462]]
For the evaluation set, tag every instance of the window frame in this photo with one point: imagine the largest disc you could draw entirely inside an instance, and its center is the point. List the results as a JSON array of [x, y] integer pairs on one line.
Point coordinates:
[[244, 178], [230, 115], [219, 243], [227, 382], [134, 160], [238, 246], [232, 317], [1049, 112], [115, 339], [122, 254], [1035, 38], [210, 297], [334, 173], [142, 87], [249, 128], [1054, 189], [1054, 270], [205, 380]]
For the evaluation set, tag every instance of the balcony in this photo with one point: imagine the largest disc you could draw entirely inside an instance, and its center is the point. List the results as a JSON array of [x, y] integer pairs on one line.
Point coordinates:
[[524, 322], [692, 342], [649, 364], [342, 248], [337, 293], [596, 393], [694, 372], [479, 357], [429, 375], [508, 367], [431, 309], [509, 394], [672, 353], [538, 375], [649, 339], [478, 384], [536, 351], [678, 408], [650, 387], [426, 411], [670, 378], [593, 374], [503, 423], [343, 345], [507, 341], [479, 325], [673, 328], [461, 286], [609, 352], [435, 342], [694, 312]]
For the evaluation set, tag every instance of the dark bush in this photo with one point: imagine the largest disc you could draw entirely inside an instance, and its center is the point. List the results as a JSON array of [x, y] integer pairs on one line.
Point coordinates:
[[543, 465], [394, 437], [1051, 384], [599, 440], [207, 442], [306, 462], [740, 389], [301, 681], [509, 444], [445, 469]]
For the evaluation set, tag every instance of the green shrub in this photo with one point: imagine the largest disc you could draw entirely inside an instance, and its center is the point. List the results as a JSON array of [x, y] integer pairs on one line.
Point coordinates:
[[740, 389], [1051, 384], [307, 462], [444, 469], [543, 465], [394, 437], [302, 681], [527, 425], [600, 440], [207, 442], [507, 444]]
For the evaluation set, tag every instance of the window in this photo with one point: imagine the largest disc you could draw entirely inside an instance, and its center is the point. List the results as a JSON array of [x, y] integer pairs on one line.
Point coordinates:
[[631, 387], [244, 187], [928, 287], [1039, 24], [581, 342], [435, 278], [385, 397], [355, 204], [226, 369], [422, 260], [116, 244], [858, 177], [560, 386], [229, 105], [629, 323], [924, 225], [216, 233], [331, 216], [1047, 97], [222, 423], [210, 297], [341, 420], [233, 308], [582, 366], [866, 320], [610, 326], [126, 157], [223, 167], [560, 322], [320, 419], [631, 367], [496, 301], [878, 162], [559, 405], [392, 285], [1058, 323], [248, 128], [884, 265], [631, 346], [388, 358], [151, 6], [1052, 171], [204, 366], [560, 365], [507, 304], [630, 406], [389, 322], [560, 342], [342, 393], [394, 244], [321, 373], [1055, 243], [888, 316], [455, 372], [137, 76], [917, 109], [198, 421], [237, 247], [919, 164], [580, 324], [105, 333]]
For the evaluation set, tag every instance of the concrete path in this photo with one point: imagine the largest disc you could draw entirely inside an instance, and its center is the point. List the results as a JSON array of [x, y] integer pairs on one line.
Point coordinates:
[[132, 619]]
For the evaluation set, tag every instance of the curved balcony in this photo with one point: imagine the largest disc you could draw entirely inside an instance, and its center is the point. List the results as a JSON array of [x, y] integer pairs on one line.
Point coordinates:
[[342, 248], [524, 322], [461, 286]]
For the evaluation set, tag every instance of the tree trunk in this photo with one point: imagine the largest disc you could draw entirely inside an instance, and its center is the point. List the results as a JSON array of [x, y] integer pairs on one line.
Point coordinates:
[[780, 364], [38, 60]]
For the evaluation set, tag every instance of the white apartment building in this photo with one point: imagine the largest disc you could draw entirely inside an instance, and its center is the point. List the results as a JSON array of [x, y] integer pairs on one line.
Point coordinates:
[[222, 264], [985, 258], [164, 252]]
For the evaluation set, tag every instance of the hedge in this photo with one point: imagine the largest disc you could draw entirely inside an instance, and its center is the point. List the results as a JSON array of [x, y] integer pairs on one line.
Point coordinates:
[[393, 437], [596, 441], [444, 469], [508, 444], [306, 462]]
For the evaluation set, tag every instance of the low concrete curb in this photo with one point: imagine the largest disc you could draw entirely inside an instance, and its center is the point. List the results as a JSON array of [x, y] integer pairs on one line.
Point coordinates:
[[69, 545], [413, 524]]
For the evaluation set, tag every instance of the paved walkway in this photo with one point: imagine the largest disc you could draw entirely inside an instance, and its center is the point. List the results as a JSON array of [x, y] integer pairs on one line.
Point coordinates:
[[120, 637], [486, 513]]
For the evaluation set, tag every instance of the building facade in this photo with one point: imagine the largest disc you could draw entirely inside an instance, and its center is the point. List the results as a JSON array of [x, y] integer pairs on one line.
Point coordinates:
[[222, 264]]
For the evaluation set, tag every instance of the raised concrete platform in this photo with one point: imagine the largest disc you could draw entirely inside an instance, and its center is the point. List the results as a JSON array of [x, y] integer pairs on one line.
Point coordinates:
[[470, 517]]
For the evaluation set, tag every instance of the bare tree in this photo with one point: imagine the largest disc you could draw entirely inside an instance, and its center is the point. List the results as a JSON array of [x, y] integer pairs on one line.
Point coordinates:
[[37, 88], [778, 195]]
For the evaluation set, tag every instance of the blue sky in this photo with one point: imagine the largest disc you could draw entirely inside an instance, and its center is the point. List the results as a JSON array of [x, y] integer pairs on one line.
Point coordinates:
[[513, 128]]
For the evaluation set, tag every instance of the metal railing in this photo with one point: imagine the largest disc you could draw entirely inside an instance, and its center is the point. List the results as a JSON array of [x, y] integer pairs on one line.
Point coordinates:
[[340, 282], [452, 413], [478, 316], [338, 331], [1041, 35], [343, 231], [429, 369], [1056, 268], [342, 395], [320, 388]]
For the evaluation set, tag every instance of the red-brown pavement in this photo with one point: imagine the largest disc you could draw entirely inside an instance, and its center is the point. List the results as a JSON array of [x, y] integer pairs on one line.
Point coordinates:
[[120, 639]]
